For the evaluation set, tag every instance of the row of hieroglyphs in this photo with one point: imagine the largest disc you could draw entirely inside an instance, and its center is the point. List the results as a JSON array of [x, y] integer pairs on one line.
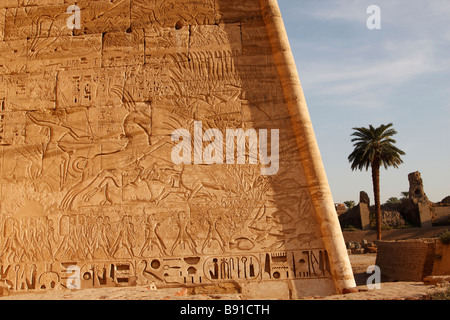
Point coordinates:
[[195, 270]]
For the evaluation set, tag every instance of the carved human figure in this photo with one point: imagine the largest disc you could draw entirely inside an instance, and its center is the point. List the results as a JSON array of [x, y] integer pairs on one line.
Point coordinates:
[[161, 182], [137, 131], [213, 235], [151, 237], [31, 244], [50, 238], [83, 243], [55, 158], [106, 234], [68, 245], [13, 250], [99, 241], [184, 238], [125, 238]]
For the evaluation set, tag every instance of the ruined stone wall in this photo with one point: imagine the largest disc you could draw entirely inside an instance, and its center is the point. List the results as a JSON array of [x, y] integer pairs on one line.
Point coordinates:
[[410, 260], [440, 214], [89, 187], [413, 260], [441, 264]]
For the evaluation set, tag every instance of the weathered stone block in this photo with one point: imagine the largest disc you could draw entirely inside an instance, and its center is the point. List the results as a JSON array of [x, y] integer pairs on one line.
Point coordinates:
[[64, 53], [410, 260], [103, 16], [34, 22], [123, 48], [14, 56]]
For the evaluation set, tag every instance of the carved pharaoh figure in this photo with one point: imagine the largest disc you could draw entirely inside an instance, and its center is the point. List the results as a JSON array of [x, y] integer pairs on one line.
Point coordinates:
[[137, 129], [55, 158]]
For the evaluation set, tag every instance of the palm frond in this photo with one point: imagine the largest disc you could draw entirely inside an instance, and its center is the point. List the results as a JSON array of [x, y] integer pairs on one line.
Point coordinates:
[[375, 145]]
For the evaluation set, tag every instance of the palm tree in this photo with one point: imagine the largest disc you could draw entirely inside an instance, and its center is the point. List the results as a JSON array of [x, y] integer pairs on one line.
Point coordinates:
[[393, 200], [374, 147], [350, 204], [405, 195]]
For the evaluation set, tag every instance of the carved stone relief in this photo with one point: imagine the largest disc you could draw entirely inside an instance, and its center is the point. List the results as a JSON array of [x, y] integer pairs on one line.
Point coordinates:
[[89, 193]]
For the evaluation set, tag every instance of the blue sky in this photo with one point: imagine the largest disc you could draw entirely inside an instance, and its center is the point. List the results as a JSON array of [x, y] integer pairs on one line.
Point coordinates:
[[353, 77]]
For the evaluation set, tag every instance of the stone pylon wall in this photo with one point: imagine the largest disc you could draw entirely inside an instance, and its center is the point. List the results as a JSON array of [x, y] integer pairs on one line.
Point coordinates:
[[97, 189]]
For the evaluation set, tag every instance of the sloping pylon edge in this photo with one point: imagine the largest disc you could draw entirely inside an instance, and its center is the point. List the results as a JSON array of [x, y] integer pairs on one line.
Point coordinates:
[[308, 148]]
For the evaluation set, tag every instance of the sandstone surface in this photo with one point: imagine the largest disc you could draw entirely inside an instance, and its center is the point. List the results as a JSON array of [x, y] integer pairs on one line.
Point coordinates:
[[90, 194]]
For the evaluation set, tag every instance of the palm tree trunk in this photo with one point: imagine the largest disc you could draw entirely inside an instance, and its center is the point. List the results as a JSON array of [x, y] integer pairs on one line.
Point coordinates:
[[376, 192]]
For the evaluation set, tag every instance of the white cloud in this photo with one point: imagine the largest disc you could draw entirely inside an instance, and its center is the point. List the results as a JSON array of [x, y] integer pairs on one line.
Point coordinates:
[[360, 70], [422, 16], [349, 10], [396, 67], [349, 77], [440, 7]]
